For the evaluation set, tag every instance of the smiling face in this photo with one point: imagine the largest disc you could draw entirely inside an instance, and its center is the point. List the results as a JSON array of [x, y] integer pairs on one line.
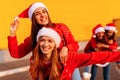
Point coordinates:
[[110, 34], [47, 45], [41, 16], [100, 35]]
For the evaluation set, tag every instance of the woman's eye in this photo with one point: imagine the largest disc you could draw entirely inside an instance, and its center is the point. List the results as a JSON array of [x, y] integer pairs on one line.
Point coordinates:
[[44, 11], [41, 40], [37, 14], [50, 41]]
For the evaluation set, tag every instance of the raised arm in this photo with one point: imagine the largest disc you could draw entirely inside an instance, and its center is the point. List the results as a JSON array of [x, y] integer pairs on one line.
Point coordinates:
[[17, 51]]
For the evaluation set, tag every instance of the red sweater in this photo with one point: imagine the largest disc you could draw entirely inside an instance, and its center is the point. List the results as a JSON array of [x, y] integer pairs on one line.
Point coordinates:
[[18, 51], [93, 44], [81, 59], [74, 60]]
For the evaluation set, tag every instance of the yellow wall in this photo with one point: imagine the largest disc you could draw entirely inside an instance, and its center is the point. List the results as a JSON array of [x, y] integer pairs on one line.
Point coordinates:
[[80, 15]]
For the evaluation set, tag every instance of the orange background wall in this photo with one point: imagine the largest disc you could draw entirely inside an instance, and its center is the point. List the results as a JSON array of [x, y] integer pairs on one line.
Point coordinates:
[[80, 16]]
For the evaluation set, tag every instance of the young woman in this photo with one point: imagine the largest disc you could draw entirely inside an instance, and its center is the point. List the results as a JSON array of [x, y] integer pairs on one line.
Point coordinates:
[[111, 31], [100, 43], [38, 14], [46, 64], [110, 44], [97, 37]]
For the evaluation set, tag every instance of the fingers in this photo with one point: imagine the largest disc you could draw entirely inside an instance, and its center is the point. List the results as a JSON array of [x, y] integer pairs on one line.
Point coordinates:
[[16, 21], [14, 26], [63, 59], [16, 18]]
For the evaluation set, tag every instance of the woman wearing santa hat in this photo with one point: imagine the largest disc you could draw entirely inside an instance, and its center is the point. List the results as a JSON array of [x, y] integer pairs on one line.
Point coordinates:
[[38, 14], [97, 36], [46, 64], [109, 44], [99, 42], [111, 30]]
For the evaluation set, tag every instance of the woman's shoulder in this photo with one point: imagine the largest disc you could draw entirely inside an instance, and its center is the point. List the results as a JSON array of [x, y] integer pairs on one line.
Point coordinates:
[[59, 24]]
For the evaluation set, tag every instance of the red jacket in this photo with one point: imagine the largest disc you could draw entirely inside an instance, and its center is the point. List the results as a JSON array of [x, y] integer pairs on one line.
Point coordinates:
[[18, 51], [81, 59]]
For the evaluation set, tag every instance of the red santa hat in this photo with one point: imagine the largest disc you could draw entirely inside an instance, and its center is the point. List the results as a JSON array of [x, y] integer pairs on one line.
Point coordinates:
[[50, 33], [98, 28], [29, 11], [111, 26]]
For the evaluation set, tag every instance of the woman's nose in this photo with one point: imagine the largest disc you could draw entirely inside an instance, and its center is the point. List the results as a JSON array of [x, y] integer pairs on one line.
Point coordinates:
[[46, 43], [42, 15]]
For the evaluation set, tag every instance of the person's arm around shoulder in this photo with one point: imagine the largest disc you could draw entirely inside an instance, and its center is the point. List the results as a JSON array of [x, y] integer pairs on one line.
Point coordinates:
[[70, 42]]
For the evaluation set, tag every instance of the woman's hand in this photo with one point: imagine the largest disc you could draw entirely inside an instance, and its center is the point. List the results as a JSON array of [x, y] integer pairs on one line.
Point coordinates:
[[63, 55], [14, 27], [101, 45]]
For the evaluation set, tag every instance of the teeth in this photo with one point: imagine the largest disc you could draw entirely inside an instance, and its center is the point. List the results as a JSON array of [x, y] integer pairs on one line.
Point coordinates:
[[43, 19], [45, 49]]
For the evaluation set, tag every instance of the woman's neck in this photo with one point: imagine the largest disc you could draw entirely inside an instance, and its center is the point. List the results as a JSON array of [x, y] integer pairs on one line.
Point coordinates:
[[47, 58]]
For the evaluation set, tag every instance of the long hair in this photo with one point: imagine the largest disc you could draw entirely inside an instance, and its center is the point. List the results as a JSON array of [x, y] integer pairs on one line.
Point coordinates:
[[37, 67], [35, 28]]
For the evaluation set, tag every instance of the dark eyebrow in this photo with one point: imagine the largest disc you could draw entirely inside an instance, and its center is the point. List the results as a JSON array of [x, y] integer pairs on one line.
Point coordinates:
[[42, 10]]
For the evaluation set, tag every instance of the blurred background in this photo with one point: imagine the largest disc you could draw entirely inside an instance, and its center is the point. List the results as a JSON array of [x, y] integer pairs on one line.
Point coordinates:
[[79, 15]]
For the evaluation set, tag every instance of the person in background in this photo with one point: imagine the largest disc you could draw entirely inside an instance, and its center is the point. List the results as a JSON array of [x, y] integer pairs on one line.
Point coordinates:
[[106, 44], [47, 65], [111, 30], [109, 44], [39, 16], [97, 36]]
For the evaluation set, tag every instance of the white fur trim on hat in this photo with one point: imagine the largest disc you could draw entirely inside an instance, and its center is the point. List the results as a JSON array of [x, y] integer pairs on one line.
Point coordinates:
[[102, 65], [50, 33], [111, 28], [100, 29], [34, 7], [86, 75]]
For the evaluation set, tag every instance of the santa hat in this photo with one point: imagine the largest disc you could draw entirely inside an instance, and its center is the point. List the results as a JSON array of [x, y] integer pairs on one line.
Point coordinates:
[[50, 33], [29, 11], [111, 26], [97, 29]]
